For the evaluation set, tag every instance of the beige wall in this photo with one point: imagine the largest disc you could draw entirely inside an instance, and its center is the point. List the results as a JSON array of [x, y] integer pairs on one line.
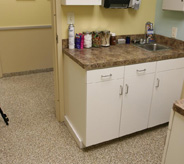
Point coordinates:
[[23, 50], [24, 12], [120, 21]]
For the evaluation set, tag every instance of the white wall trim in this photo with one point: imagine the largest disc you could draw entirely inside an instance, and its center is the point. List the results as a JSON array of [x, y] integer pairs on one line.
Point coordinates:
[[24, 27]]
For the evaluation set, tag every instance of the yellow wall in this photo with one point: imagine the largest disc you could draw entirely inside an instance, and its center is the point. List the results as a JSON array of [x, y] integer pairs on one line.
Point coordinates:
[[24, 12], [120, 21], [25, 49]]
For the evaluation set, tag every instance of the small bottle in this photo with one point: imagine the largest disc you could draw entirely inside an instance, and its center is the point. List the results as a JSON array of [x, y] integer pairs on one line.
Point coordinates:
[[113, 39], [77, 41], [71, 36], [82, 41], [128, 40]]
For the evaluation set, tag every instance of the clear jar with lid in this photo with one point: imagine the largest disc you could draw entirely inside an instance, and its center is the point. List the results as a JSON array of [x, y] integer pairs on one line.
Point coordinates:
[[113, 39], [96, 38], [87, 39], [105, 38]]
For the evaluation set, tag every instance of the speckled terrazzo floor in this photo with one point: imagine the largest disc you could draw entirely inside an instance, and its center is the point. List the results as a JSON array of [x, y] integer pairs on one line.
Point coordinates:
[[35, 137]]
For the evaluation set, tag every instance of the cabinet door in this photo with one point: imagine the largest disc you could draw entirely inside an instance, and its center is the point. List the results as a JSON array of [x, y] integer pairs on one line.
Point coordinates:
[[167, 89], [103, 111], [81, 2], [136, 103], [177, 5]]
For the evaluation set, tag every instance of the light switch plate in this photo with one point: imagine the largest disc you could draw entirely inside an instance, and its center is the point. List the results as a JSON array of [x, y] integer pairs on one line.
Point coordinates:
[[70, 18], [174, 32]]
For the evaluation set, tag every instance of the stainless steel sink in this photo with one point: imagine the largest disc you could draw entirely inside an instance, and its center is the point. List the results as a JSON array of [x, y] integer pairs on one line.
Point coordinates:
[[152, 47]]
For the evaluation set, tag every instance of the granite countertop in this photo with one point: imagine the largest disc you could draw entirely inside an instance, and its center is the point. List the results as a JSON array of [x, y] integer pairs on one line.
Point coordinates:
[[118, 55], [179, 106]]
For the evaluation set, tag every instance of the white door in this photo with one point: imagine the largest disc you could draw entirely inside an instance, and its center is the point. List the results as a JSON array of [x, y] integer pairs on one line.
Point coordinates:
[[136, 103], [103, 111], [167, 89]]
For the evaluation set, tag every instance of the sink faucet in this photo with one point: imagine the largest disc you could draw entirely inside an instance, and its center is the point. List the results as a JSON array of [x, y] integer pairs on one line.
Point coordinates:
[[148, 39]]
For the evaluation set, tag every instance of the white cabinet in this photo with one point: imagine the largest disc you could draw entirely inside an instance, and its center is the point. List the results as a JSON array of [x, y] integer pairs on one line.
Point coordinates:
[[177, 5], [81, 2], [104, 97], [104, 104], [92, 102], [138, 86], [103, 111], [167, 89]]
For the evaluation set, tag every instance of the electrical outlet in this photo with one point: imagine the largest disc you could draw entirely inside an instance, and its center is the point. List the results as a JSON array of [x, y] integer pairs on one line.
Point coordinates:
[[174, 32], [70, 18]]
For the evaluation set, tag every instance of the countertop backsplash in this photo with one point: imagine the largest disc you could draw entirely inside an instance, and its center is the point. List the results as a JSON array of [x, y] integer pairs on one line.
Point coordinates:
[[132, 37], [170, 42]]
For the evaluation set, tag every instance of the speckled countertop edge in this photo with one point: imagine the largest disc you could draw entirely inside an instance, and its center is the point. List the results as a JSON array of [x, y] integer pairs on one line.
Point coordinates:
[[119, 55], [179, 106]]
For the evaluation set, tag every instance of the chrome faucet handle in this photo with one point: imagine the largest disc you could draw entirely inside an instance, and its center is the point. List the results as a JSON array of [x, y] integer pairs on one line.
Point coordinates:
[[148, 39], [142, 41]]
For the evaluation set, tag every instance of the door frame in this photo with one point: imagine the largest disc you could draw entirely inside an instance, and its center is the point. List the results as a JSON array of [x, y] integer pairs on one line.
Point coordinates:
[[57, 58], [1, 71], [182, 93]]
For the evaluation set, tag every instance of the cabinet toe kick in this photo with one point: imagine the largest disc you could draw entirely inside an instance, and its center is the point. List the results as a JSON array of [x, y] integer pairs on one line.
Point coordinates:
[[73, 132]]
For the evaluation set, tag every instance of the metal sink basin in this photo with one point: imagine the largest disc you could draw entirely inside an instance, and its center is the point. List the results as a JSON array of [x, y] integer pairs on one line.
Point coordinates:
[[152, 47]]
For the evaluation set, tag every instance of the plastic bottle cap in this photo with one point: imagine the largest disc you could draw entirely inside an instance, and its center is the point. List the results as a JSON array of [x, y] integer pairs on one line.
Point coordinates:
[[113, 34]]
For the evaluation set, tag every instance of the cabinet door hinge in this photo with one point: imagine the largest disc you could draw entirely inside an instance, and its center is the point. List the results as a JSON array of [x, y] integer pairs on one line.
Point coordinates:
[[57, 38]]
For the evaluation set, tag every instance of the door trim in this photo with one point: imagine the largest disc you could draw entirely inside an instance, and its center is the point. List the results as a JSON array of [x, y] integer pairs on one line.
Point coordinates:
[[1, 71], [57, 58]]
